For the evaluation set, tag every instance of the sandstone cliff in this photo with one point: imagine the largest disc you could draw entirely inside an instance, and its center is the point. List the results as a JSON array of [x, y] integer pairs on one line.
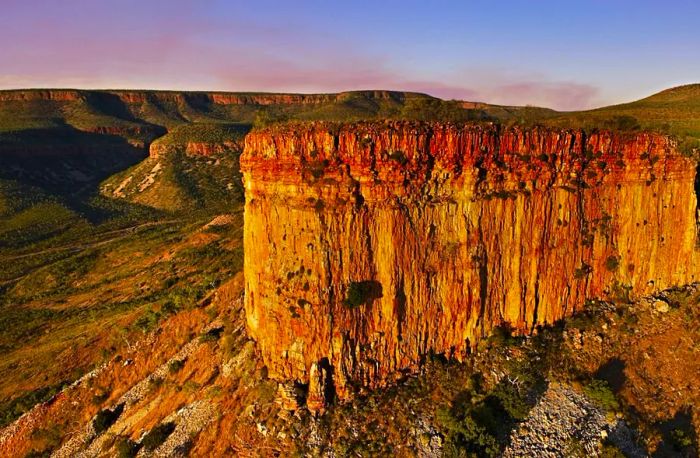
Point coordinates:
[[194, 98], [205, 149], [368, 246]]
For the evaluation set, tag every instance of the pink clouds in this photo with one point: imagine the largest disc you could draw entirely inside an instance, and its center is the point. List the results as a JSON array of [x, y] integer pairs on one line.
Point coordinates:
[[91, 47], [560, 95], [358, 72]]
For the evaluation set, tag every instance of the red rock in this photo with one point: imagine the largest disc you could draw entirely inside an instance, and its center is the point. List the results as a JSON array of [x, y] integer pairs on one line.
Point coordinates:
[[456, 229]]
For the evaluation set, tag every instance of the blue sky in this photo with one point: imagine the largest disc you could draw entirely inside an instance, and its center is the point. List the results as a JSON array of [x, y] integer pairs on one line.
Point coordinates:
[[566, 55]]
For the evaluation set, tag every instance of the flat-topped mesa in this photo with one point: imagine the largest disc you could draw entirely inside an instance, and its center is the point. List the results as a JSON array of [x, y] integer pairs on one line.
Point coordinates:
[[195, 98], [370, 245]]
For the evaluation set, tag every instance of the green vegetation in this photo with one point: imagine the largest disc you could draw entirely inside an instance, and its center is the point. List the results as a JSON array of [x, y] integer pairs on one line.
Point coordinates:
[[126, 448], [361, 292], [398, 156], [674, 111], [471, 427], [599, 392], [175, 366], [501, 336], [95, 294], [45, 441], [155, 437], [211, 335], [106, 418], [583, 271], [429, 109], [211, 133], [315, 169], [478, 417], [612, 263], [681, 439], [13, 409]]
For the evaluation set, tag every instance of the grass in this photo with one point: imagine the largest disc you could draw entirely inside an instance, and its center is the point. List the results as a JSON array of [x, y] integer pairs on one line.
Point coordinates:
[[69, 309], [674, 111]]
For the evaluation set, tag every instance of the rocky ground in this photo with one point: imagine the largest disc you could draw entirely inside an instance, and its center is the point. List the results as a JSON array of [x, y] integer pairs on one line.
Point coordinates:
[[565, 422], [220, 402]]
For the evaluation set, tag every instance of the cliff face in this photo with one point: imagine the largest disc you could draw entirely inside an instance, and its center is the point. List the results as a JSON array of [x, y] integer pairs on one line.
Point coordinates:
[[195, 98], [370, 245], [158, 149]]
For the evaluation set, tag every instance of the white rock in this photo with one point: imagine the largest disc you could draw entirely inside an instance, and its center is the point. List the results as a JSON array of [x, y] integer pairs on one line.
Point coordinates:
[[661, 306]]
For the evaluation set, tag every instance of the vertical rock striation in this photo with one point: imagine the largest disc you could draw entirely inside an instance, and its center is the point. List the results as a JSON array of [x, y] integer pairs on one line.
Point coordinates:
[[370, 245]]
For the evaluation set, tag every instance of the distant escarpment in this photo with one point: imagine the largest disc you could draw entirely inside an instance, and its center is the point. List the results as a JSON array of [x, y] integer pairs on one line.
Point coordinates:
[[193, 97], [371, 245]]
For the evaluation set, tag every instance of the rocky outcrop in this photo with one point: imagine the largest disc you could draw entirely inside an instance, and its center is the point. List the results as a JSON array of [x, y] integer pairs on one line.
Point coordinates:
[[28, 95], [194, 98], [158, 149], [369, 246]]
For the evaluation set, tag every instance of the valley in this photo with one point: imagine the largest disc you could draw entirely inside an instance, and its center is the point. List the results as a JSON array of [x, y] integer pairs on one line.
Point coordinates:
[[355, 274]]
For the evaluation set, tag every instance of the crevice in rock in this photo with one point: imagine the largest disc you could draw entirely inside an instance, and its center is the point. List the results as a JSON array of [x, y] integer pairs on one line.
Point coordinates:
[[328, 383], [697, 203]]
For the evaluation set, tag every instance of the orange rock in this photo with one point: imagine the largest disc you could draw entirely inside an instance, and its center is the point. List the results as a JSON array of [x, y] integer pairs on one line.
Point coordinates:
[[448, 230]]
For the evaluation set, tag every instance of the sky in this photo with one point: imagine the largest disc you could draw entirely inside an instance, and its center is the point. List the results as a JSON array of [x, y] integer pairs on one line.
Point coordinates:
[[566, 55]]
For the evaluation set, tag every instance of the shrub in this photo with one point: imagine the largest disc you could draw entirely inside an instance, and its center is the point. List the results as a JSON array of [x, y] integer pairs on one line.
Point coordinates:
[[612, 263], [469, 428], [623, 122], [622, 293], [599, 392], [126, 448], [689, 146], [512, 401], [175, 366], [148, 320], [45, 441], [106, 418], [502, 336], [154, 383], [157, 436], [11, 410], [316, 168], [100, 397], [583, 271], [211, 335], [361, 292], [609, 450], [426, 109], [681, 439], [397, 156]]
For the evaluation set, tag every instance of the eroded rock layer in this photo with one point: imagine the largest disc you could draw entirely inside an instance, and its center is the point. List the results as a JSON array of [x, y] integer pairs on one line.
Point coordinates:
[[370, 245]]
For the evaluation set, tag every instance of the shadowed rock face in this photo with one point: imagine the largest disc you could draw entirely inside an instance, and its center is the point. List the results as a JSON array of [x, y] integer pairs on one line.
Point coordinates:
[[457, 229]]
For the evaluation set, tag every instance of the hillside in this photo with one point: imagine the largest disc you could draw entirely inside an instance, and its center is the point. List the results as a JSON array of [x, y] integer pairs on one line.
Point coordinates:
[[57, 146], [675, 111]]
